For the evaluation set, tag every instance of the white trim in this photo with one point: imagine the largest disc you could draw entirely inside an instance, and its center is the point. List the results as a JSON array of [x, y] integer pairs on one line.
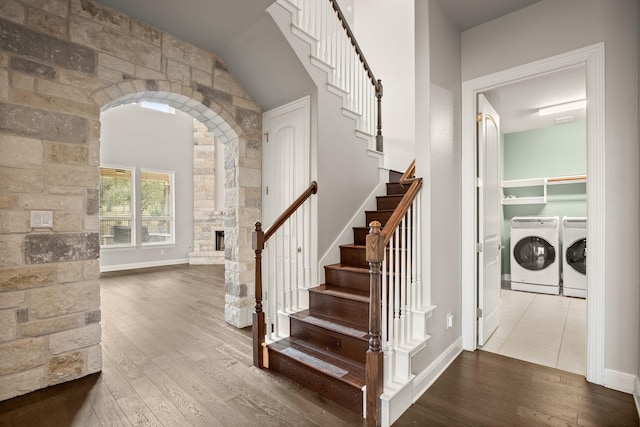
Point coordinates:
[[107, 268], [426, 378], [636, 394], [620, 381], [593, 57]]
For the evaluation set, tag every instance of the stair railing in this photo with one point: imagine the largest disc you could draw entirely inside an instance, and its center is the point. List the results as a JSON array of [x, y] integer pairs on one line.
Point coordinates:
[[350, 72], [394, 254], [287, 291]]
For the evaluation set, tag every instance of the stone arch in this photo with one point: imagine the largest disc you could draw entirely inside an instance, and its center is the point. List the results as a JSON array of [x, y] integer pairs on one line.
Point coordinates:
[[239, 262]]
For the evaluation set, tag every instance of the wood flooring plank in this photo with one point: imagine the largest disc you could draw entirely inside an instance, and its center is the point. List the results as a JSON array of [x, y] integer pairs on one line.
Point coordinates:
[[159, 404], [107, 410], [137, 412], [193, 411]]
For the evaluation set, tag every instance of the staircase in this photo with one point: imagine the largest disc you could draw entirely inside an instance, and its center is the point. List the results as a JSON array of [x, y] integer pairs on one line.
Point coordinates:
[[328, 342]]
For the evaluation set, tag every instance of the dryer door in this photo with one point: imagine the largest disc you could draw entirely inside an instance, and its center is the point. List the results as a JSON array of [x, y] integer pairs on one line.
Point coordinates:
[[534, 253], [577, 256]]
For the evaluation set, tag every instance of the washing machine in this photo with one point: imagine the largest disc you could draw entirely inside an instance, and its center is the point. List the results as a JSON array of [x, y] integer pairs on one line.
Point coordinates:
[[535, 254], [574, 256]]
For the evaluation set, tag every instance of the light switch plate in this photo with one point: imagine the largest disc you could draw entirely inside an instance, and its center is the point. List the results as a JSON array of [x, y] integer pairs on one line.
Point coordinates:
[[41, 219]]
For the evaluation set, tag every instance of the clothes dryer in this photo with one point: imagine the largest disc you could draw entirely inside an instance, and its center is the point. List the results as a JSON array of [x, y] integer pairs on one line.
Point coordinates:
[[535, 250], [574, 256]]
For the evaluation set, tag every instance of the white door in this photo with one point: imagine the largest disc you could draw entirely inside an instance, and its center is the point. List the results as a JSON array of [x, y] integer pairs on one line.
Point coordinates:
[[285, 175], [489, 206]]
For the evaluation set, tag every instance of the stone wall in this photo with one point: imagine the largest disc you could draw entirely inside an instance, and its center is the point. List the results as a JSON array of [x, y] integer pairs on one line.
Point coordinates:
[[206, 219], [61, 62]]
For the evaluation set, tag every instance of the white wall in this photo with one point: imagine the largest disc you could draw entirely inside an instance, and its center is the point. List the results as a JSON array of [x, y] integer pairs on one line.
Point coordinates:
[[540, 31], [438, 161], [385, 31], [135, 136]]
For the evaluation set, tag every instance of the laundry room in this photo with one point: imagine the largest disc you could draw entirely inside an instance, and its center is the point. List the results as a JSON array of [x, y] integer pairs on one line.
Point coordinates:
[[543, 184]]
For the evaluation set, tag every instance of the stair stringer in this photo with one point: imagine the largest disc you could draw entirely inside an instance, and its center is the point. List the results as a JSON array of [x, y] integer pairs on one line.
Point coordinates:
[[322, 73]]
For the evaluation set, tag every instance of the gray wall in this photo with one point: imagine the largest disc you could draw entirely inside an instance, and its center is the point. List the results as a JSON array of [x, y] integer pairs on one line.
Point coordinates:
[[135, 136], [540, 31], [438, 161]]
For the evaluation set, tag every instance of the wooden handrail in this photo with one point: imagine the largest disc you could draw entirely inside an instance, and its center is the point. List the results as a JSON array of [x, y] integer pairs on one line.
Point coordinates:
[[377, 241], [313, 189], [259, 238], [377, 84], [409, 174], [401, 209]]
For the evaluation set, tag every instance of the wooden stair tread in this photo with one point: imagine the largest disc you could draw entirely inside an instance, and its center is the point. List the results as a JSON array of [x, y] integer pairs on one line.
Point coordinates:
[[331, 323], [329, 364], [340, 292], [347, 267]]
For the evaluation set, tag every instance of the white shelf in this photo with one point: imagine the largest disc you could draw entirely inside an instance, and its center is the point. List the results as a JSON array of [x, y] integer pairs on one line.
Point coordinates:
[[537, 182]]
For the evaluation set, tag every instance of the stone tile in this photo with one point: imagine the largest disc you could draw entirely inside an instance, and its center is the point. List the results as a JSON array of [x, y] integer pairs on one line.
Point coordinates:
[[146, 33], [47, 248], [79, 80], [105, 16], [246, 103], [67, 221], [21, 355], [46, 87], [12, 299], [66, 367], [17, 150], [14, 221], [56, 7], [250, 121], [21, 180], [54, 103], [65, 299], [179, 50], [225, 81], [21, 383], [45, 48], [22, 315], [94, 359], [66, 153], [53, 202], [10, 250], [99, 37], [93, 202], [70, 271], [37, 123], [13, 279], [92, 317], [48, 23], [149, 74], [72, 175], [178, 72], [8, 325], [22, 81], [74, 339], [13, 11], [201, 77], [32, 68], [4, 84], [49, 326], [7, 201]]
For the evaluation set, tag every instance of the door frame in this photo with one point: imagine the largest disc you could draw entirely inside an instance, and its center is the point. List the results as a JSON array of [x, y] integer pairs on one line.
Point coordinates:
[[593, 58]]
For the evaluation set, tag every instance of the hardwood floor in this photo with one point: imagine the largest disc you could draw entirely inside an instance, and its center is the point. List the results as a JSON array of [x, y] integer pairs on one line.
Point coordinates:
[[170, 359]]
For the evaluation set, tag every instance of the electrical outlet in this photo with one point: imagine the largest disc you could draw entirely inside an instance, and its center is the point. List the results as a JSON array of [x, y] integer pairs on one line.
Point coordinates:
[[449, 320]]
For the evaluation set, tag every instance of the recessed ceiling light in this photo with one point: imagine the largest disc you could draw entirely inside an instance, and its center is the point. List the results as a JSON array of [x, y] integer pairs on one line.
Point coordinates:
[[560, 108]]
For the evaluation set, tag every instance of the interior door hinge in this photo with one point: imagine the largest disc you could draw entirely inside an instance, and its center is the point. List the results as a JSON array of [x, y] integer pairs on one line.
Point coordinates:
[[479, 313], [478, 182], [479, 117], [266, 136], [267, 190], [479, 247]]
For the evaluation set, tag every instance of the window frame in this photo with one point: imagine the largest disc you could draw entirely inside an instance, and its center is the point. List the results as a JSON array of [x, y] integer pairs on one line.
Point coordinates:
[[133, 208], [172, 214]]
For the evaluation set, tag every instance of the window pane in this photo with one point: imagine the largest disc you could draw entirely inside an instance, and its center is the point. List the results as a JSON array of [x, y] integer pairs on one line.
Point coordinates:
[[115, 206], [157, 208]]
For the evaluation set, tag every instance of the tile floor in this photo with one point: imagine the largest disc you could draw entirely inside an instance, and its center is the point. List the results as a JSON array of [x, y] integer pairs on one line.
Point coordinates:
[[548, 330]]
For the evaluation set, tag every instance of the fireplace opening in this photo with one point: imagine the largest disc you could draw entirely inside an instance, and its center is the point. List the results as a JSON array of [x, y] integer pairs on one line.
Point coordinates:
[[220, 240]]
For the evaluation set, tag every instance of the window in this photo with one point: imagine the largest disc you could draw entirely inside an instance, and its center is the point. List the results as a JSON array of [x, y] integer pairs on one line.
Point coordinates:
[[116, 207], [157, 207], [123, 217]]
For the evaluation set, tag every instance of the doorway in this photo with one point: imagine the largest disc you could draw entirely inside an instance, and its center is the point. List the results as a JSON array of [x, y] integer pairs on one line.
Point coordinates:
[[592, 57], [542, 162]]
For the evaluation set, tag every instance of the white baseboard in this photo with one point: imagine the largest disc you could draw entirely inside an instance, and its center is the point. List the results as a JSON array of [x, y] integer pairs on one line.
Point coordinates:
[[636, 394], [133, 266], [620, 381], [426, 378]]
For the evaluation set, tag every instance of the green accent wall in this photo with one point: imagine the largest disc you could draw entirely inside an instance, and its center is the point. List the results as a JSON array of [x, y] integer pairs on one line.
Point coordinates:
[[552, 151]]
